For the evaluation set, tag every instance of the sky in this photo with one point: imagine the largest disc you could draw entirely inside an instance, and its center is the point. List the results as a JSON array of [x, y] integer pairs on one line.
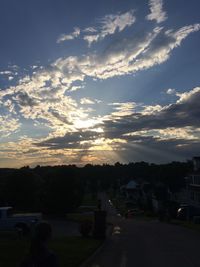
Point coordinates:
[[99, 81]]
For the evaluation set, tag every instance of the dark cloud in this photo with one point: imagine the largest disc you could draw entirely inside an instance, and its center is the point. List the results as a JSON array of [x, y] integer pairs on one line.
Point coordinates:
[[60, 117], [182, 114], [152, 149], [25, 100], [70, 140]]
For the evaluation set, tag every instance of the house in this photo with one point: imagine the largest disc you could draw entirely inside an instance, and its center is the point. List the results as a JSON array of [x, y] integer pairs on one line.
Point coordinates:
[[193, 184], [130, 191]]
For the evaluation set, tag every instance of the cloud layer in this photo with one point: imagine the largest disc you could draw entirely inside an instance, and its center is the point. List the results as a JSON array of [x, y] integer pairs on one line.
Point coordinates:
[[69, 130]]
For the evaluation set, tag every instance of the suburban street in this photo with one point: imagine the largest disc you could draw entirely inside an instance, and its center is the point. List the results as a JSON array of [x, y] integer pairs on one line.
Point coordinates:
[[140, 243]]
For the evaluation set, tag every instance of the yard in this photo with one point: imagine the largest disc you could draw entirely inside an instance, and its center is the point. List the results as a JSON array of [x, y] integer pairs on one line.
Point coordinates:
[[71, 251]]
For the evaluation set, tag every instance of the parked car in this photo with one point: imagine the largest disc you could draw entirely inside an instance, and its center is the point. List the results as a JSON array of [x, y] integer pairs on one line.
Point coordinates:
[[133, 212], [19, 222], [187, 211]]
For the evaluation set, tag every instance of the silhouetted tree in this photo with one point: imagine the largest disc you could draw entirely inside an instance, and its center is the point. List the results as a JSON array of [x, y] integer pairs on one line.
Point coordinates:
[[20, 189], [63, 191]]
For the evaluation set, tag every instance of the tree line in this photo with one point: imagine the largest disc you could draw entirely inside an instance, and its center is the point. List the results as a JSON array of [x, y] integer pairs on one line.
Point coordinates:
[[60, 189]]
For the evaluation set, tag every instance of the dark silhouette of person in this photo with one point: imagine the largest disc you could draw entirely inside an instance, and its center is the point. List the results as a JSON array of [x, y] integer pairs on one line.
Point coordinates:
[[40, 255]]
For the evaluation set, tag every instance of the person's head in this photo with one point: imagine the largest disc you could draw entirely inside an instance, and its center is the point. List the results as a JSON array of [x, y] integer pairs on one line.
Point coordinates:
[[43, 232]]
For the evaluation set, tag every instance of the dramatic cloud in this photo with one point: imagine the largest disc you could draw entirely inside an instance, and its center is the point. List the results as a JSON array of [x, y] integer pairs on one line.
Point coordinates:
[[157, 13], [184, 113], [69, 124], [75, 140], [44, 94], [172, 129], [127, 56]]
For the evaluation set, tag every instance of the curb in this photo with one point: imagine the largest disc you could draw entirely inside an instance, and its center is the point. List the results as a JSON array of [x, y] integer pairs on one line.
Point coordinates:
[[91, 257]]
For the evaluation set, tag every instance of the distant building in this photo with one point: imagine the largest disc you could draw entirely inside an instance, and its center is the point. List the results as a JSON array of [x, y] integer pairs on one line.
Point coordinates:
[[193, 184], [131, 190]]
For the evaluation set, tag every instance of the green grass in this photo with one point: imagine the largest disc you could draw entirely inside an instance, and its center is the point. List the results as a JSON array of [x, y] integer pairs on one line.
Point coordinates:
[[71, 251], [74, 250], [89, 200]]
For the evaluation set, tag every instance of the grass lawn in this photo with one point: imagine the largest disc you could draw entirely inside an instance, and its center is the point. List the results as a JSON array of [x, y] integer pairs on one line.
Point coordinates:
[[80, 217], [89, 200], [186, 224], [71, 251]]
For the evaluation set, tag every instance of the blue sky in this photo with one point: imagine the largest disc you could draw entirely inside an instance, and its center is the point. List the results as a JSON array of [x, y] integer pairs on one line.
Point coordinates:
[[94, 82]]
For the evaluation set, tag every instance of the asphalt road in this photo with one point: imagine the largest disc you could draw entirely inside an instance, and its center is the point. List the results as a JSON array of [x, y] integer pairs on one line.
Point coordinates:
[[140, 243]]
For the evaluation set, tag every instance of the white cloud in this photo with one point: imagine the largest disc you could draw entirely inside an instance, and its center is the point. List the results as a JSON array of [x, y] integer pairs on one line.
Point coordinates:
[[75, 88], [8, 125], [186, 133], [169, 133], [90, 30], [150, 110], [122, 109], [171, 91], [87, 101], [71, 36], [109, 24], [91, 38], [157, 13], [34, 67], [6, 72]]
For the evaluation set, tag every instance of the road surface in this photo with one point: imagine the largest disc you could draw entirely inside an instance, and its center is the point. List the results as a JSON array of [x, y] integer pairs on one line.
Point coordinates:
[[140, 243]]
